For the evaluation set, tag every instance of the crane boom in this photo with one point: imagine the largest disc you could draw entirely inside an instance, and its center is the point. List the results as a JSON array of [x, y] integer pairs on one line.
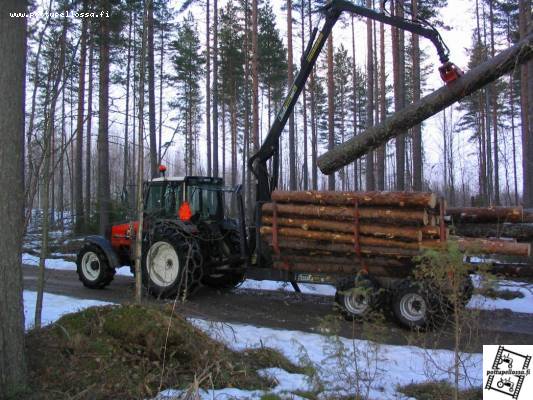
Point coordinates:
[[331, 12]]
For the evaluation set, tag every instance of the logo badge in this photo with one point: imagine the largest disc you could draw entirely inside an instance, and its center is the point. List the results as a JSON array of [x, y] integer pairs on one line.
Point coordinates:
[[506, 372]]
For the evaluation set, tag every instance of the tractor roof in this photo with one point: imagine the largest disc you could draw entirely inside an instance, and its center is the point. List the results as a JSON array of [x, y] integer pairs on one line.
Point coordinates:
[[169, 178]]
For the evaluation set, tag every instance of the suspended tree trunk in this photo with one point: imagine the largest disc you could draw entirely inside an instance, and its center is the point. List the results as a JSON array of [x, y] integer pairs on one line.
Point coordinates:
[[370, 182], [12, 81], [78, 160], [215, 88], [428, 106], [417, 129]]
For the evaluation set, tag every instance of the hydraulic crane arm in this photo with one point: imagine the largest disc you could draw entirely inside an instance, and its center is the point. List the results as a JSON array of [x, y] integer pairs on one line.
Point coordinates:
[[331, 11]]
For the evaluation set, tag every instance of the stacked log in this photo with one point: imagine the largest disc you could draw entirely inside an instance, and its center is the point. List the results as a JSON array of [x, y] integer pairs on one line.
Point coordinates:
[[492, 222], [345, 232]]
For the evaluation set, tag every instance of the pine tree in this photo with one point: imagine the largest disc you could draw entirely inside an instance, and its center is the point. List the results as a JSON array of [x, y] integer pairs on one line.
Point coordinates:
[[188, 64]]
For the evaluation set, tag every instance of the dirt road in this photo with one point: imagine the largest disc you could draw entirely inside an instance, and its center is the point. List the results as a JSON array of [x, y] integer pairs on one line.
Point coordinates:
[[296, 311]]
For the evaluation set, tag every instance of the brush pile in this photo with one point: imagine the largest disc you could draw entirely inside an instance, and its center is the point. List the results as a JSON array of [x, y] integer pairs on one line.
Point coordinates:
[[343, 232]]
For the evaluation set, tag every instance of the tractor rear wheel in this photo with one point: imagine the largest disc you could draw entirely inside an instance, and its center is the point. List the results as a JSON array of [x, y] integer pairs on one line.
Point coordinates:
[[358, 297], [226, 276], [415, 306], [93, 267], [169, 261]]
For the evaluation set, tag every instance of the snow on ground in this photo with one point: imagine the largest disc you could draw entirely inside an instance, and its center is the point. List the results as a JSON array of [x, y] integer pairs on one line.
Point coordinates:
[[65, 265], [310, 288], [522, 305], [337, 359], [54, 306]]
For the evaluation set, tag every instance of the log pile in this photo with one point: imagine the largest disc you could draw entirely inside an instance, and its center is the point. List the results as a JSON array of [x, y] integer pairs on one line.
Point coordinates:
[[344, 232], [492, 222]]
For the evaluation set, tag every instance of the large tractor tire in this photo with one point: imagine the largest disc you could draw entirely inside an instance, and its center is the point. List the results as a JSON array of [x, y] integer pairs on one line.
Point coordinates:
[[416, 307], [357, 297], [170, 264], [93, 267], [226, 279]]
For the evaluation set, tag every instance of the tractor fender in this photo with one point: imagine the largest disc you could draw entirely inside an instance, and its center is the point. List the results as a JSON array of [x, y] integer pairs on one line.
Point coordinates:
[[106, 247]]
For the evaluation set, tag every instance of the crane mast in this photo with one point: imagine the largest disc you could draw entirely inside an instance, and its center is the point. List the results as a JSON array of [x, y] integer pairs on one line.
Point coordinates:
[[266, 182]]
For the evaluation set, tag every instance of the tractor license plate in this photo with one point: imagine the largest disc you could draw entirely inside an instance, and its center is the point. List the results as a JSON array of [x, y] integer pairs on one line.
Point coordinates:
[[314, 278]]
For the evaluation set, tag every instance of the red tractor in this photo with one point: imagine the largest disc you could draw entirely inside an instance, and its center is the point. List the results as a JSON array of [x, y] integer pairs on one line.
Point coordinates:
[[187, 240]]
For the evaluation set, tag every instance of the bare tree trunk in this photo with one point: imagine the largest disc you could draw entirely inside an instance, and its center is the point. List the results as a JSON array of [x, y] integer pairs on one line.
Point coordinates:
[[104, 196], [370, 182], [290, 71], [255, 91], [125, 178], [417, 129], [140, 168], [215, 88], [525, 107], [151, 90], [207, 85], [78, 160], [12, 81], [494, 114], [380, 170], [331, 108], [398, 55], [56, 72], [305, 168], [88, 154], [354, 108]]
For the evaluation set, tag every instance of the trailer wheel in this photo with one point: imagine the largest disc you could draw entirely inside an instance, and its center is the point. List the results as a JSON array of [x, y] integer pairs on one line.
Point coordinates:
[[229, 279], [93, 267], [168, 264], [358, 297], [414, 306]]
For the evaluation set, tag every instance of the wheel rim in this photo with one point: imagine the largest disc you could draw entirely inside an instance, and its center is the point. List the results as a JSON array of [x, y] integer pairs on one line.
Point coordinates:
[[90, 265], [163, 264], [357, 302], [413, 307]]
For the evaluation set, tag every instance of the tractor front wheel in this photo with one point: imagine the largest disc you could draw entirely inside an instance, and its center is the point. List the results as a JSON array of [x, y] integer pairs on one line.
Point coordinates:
[[93, 267]]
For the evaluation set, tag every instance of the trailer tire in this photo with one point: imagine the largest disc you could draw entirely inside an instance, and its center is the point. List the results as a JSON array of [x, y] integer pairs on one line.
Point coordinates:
[[93, 267], [230, 279], [170, 264], [357, 297], [414, 306]]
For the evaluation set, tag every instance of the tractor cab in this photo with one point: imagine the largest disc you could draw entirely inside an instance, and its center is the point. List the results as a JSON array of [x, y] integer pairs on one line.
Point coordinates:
[[191, 198]]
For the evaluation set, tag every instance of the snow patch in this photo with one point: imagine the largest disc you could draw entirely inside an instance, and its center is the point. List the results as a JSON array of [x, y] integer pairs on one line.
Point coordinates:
[[54, 307]]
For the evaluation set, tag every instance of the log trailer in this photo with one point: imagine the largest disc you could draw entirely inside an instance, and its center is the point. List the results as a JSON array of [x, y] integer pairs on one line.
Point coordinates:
[[351, 240]]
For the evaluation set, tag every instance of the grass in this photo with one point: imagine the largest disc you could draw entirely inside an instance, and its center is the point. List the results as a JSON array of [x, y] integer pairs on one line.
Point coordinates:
[[438, 391], [117, 352]]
